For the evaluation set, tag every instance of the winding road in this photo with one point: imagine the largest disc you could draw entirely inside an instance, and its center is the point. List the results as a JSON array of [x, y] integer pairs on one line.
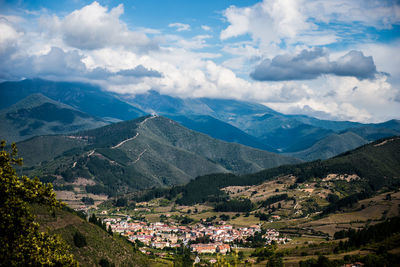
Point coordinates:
[[137, 134]]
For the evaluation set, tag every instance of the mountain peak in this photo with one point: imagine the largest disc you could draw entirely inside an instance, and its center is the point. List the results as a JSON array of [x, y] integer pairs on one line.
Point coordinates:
[[35, 100]]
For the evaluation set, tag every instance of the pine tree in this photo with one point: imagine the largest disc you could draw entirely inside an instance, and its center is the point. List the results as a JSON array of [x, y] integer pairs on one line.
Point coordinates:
[[22, 242]]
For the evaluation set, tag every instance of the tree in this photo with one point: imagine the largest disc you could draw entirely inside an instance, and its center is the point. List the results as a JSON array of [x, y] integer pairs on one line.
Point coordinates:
[[121, 202], [105, 263], [88, 200], [22, 242], [275, 261], [79, 239]]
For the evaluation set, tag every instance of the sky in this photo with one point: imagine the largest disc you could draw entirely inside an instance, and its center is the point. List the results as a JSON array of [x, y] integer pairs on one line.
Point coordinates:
[[336, 60]]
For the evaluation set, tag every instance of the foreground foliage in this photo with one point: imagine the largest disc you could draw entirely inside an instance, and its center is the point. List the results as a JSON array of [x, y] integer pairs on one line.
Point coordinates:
[[22, 242]]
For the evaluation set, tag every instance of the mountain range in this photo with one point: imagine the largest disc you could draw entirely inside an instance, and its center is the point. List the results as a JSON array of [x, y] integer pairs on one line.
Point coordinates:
[[141, 153], [235, 121], [291, 134]]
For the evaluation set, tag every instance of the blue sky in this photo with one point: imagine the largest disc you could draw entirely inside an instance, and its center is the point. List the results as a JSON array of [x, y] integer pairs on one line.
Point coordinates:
[[330, 59]]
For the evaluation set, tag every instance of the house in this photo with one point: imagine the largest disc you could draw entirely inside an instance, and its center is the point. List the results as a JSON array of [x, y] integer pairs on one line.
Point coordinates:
[[203, 248], [223, 248], [160, 245]]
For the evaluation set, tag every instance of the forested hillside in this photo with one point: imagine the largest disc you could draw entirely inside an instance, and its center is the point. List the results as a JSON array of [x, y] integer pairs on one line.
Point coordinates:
[[137, 154], [377, 164]]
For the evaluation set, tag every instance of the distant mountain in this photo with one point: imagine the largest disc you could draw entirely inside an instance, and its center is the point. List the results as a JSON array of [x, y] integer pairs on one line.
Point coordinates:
[[336, 126], [81, 96], [270, 128], [330, 146], [377, 131], [39, 115], [141, 153], [220, 130], [229, 120], [274, 130]]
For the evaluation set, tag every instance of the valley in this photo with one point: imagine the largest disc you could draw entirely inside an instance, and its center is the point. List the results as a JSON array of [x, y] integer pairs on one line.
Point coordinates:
[[257, 133], [294, 215], [161, 226], [211, 181]]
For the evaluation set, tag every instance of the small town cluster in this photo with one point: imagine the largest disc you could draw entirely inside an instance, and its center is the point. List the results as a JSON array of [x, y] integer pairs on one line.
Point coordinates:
[[161, 235]]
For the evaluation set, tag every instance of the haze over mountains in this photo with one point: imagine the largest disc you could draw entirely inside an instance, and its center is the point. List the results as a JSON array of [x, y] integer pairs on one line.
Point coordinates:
[[246, 123], [282, 133]]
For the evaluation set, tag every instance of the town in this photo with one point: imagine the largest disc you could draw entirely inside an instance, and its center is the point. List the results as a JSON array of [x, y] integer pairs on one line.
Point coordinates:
[[201, 238]]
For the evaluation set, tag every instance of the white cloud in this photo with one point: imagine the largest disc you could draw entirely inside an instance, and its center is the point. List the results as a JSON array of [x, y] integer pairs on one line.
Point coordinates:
[[197, 42], [343, 98], [206, 28], [93, 44], [315, 22], [386, 57], [268, 21], [94, 27], [379, 14], [9, 35], [180, 27], [309, 64]]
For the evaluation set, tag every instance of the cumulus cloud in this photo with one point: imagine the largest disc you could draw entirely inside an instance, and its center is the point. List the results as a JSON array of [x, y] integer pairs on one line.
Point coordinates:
[[61, 64], [58, 62], [9, 35], [268, 21], [332, 97], [311, 22], [97, 46], [309, 64], [381, 14], [94, 27], [9, 39], [180, 27]]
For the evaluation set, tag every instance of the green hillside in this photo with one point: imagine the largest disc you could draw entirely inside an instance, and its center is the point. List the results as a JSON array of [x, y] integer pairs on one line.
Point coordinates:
[[87, 98], [38, 115], [377, 164], [100, 245], [41, 149], [330, 146], [141, 153]]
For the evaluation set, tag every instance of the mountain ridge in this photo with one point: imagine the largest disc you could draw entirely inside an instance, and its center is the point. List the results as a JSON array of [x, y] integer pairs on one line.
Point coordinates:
[[85, 97], [39, 115], [229, 120], [145, 152]]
